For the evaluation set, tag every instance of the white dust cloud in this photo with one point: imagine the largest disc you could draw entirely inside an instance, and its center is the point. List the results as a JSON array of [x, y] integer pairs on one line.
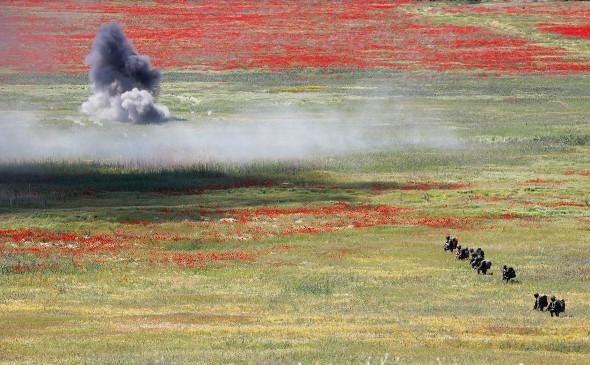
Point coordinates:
[[286, 134]]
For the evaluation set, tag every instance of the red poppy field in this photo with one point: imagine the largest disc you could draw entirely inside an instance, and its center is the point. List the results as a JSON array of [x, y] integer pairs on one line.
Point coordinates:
[[55, 37], [402, 122], [41, 251]]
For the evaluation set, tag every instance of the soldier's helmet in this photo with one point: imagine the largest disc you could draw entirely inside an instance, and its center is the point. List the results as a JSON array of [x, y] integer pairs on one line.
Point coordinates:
[[536, 295], [504, 267], [448, 237], [553, 298]]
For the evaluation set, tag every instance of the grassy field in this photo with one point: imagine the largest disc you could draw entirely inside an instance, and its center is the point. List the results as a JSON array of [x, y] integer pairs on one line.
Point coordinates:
[[299, 216], [325, 258]]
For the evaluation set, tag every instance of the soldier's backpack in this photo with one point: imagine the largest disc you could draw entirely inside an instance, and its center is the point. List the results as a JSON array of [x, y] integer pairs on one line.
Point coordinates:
[[511, 273], [561, 305]]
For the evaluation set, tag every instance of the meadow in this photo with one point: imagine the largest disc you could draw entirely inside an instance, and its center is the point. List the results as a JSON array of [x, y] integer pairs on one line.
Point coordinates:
[[128, 244]]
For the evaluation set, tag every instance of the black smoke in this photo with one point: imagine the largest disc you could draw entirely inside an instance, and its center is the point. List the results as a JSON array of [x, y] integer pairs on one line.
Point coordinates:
[[124, 82]]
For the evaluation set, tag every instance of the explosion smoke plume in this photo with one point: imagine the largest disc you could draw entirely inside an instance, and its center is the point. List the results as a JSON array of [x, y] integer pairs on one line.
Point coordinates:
[[123, 80]]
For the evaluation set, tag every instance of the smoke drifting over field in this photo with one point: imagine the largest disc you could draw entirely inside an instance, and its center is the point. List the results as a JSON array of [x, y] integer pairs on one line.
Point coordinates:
[[123, 80], [240, 139]]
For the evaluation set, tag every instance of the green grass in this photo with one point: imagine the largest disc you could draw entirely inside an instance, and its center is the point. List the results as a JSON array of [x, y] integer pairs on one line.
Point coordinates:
[[377, 294]]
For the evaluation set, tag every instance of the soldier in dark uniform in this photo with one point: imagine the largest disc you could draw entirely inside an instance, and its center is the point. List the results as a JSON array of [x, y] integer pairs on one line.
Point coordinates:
[[536, 306], [462, 253], [451, 243], [484, 266], [556, 306], [509, 273], [478, 252], [475, 261], [476, 257], [540, 302]]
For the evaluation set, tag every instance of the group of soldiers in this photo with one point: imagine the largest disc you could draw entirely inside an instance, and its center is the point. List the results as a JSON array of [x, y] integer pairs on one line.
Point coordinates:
[[479, 263], [555, 307]]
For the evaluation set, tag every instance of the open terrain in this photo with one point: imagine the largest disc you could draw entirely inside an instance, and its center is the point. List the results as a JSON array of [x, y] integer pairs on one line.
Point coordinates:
[[292, 209]]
